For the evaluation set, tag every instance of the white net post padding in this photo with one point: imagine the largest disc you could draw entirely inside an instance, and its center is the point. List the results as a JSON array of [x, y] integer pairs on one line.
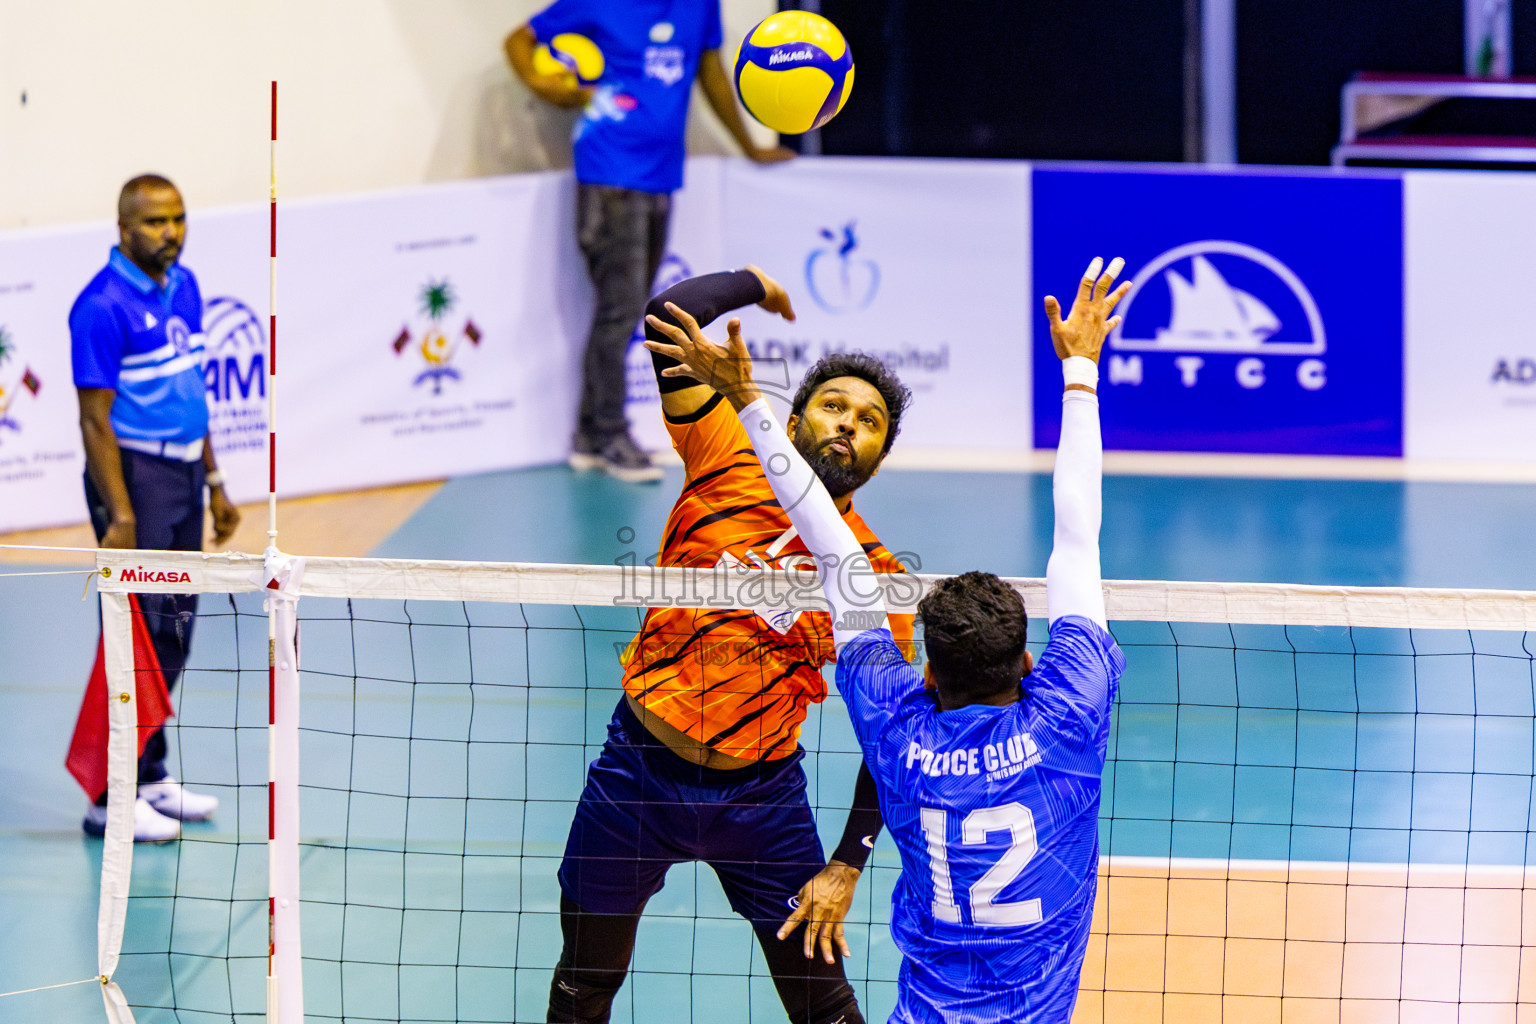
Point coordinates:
[[122, 787], [285, 974]]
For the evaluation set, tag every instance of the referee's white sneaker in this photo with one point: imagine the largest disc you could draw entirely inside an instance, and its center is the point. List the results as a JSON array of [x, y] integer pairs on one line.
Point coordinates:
[[174, 800], [149, 825]]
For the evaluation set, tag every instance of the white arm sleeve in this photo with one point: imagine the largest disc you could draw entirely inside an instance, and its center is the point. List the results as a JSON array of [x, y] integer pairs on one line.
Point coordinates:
[[1072, 583], [840, 559]]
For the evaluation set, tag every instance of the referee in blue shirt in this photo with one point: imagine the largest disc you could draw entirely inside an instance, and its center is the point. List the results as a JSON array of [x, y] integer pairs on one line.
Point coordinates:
[[628, 148], [136, 337]]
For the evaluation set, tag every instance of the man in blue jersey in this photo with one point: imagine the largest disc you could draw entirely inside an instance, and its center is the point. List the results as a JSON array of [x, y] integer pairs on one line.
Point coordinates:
[[136, 336], [990, 786], [629, 150]]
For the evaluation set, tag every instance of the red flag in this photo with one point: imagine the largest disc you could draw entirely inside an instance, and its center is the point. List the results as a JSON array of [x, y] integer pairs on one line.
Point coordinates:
[[402, 339], [472, 332], [87, 760], [30, 382]]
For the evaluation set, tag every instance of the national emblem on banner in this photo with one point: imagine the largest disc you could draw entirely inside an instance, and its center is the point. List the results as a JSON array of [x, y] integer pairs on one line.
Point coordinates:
[[433, 339], [12, 386]]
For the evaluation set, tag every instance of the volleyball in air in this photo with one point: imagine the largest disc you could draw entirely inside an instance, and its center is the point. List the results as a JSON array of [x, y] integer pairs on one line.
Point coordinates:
[[794, 71], [569, 54]]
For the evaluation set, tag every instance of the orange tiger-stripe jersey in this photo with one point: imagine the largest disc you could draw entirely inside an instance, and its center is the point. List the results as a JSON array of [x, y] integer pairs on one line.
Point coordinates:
[[726, 677]]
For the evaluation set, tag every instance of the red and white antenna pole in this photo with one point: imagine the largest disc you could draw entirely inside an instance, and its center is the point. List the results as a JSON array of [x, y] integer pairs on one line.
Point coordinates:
[[272, 340]]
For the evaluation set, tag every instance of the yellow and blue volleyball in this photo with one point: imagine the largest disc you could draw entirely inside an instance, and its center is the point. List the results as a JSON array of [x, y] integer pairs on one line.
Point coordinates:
[[570, 54], [794, 71]]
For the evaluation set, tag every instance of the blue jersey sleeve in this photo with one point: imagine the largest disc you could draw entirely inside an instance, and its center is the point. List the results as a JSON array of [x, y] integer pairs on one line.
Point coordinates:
[[712, 31], [874, 680], [96, 343], [1074, 683], [194, 303], [564, 16]]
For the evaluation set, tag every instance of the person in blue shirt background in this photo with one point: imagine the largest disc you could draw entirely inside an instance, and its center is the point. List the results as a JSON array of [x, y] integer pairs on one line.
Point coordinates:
[[136, 337], [989, 785], [629, 150]]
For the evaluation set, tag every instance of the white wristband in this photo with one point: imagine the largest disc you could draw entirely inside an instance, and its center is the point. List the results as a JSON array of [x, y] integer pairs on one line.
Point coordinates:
[[214, 479], [1080, 370]]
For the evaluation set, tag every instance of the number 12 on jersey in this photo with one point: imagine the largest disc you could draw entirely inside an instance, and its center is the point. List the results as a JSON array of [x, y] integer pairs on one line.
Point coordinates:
[[986, 911]]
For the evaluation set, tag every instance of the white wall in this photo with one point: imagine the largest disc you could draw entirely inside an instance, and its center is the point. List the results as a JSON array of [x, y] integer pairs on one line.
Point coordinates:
[[372, 94]]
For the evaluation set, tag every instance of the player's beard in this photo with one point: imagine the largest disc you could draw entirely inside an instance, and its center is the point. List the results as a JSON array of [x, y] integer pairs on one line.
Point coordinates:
[[840, 478]]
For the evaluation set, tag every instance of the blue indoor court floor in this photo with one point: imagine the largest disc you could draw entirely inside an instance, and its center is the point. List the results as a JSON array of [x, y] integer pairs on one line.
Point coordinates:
[[1256, 743]]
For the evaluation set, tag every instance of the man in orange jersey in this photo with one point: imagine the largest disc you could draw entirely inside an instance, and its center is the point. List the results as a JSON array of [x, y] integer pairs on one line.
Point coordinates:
[[702, 757]]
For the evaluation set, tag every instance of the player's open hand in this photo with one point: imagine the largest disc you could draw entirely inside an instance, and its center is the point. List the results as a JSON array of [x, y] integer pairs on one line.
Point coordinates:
[[823, 904], [726, 368], [1083, 332], [777, 299]]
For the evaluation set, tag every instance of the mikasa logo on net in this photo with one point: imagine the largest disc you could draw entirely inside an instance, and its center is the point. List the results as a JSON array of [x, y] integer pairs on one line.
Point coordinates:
[[139, 574]]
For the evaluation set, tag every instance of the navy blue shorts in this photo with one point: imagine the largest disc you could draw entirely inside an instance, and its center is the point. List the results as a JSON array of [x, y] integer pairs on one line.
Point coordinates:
[[645, 809]]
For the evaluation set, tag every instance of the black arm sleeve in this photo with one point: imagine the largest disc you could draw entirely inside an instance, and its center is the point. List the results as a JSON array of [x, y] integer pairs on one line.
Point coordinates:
[[864, 821], [705, 298]]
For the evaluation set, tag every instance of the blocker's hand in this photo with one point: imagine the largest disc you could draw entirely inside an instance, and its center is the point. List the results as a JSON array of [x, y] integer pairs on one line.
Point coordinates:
[[1083, 332], [726, 368], [824, 903]]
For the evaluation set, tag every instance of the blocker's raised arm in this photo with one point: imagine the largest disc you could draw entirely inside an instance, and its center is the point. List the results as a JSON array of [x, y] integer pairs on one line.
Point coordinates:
[[1073, 583]]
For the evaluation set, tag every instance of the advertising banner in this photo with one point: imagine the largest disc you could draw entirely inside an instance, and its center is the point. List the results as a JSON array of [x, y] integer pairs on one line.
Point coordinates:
[[924, 264], [428, 333], [42, 464], [1265, 314], [1471, 346]]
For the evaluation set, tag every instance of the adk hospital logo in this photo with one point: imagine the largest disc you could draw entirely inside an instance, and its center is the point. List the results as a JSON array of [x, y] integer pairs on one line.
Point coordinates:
[[434, 338], [839, 279], [1219, 298], [15, 380]]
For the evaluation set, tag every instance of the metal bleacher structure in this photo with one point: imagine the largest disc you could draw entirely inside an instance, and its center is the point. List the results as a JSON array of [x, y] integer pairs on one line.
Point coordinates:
[[1388, 119]]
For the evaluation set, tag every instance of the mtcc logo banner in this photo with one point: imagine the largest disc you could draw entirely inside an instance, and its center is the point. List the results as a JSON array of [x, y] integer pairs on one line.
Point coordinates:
[[1265, 313]]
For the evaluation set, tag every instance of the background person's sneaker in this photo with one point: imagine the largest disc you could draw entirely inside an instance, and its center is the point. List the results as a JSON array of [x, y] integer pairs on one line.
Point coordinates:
[[619, 457], [149, 825], [174, 800]]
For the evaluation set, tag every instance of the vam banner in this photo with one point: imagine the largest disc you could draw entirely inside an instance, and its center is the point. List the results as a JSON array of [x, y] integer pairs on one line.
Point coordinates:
[[1265, 313]]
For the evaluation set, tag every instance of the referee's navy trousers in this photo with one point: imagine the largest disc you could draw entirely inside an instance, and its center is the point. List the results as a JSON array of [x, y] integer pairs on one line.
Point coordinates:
[[167, 501]]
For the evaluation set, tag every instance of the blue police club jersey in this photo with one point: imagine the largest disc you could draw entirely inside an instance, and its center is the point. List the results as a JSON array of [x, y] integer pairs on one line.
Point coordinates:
[[146, 342], [632, 132], [994, 811]]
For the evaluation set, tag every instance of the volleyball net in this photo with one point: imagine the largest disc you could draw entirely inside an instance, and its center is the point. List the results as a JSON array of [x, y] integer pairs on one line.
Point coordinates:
[[1317, 800]]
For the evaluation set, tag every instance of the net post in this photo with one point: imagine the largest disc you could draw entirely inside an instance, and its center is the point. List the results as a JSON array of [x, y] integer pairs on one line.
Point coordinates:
[[122, 791], [285, 980]]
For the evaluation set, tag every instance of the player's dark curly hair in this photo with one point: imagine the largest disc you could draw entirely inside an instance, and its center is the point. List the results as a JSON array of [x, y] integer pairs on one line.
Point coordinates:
[[896, 395], [973, 631]]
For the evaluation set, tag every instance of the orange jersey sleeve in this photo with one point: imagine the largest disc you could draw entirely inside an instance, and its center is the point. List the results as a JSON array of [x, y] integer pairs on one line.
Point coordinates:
[[735, 679]]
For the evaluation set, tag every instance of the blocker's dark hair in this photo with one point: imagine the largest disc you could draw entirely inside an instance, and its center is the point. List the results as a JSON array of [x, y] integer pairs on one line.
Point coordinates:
[[974, 627], [896, 395]]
